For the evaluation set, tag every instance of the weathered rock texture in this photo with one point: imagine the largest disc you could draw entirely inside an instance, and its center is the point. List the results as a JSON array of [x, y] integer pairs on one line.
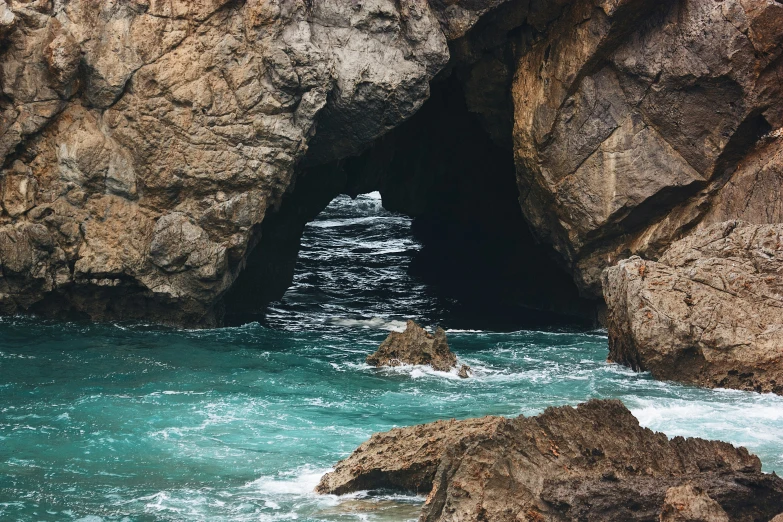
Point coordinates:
[[416, 346], [690, 504], [144, 142], [593, 462], [709, 312], [148, 145], [631, 118]]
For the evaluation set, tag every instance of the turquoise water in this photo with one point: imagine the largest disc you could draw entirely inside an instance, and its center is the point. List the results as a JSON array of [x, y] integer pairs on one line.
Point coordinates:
[[138, 423]]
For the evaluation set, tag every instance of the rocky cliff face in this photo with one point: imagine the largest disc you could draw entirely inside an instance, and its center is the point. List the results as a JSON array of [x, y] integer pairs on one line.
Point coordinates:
[[150, 147], [631, 118], [144, 142]]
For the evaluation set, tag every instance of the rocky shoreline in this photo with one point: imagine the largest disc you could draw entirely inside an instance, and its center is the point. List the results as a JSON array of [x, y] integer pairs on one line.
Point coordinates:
[[709, 312], [590, 462]]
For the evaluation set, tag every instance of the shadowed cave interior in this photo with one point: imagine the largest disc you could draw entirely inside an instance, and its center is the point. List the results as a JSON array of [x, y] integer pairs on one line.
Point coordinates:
[[444, 170]]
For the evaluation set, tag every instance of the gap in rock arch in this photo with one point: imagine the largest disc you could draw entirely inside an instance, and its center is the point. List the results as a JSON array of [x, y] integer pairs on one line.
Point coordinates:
[[472, 257]]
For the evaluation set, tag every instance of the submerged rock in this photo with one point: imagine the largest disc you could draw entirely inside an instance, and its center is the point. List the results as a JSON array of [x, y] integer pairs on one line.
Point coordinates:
[[709, 312], [416, 346], [592, 462]]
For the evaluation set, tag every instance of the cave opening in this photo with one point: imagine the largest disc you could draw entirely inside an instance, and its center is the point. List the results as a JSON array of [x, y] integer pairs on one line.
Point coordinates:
[[447, 183]]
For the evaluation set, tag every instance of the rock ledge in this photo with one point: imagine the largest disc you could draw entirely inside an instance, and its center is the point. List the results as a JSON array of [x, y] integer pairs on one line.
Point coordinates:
[[592, 462]]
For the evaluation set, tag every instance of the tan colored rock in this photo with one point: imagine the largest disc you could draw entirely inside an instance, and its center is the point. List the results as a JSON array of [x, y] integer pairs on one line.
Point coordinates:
[[778, 518], [151, 138], [709, 312], [592, 462], [618, 139], [690, 504], [415, 346], [405, 458]]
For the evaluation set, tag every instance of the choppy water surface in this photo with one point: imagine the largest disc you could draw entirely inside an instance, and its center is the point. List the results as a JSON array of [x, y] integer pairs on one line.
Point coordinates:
[[134, 423]]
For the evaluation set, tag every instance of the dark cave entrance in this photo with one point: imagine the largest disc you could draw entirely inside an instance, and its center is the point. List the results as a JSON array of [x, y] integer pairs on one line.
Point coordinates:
[[452, 172]]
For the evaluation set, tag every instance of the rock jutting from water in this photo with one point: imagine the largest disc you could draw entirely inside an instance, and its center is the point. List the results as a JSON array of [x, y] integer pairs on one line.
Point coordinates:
[[416, 346], [708, 312], [592, 462]]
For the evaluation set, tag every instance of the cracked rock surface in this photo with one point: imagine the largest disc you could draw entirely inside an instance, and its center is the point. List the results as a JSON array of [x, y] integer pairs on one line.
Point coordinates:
[[144, 141], [593, 462], [630, 116], [708, 312]]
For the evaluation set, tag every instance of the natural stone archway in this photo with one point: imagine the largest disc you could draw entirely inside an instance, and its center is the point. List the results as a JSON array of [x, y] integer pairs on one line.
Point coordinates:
[[444, 170], [150, 146], [143, 142]]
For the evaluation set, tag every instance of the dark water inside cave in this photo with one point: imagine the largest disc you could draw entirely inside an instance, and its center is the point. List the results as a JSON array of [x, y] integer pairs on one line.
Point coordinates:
[[139, 423]]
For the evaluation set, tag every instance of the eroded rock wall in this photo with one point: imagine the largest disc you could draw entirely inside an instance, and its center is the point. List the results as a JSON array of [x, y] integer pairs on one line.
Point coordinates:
[[144, 142], [631, 116], [708, 312]]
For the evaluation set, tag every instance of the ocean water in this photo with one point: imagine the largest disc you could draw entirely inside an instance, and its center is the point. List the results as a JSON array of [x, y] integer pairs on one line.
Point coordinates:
[[141, 423]]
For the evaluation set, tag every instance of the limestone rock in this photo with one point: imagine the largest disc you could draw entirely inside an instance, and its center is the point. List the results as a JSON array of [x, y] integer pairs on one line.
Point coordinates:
[[415, 346], [618, 141], [592, 462], [690, 504], [708, 312], [149, 140], [415, 456]]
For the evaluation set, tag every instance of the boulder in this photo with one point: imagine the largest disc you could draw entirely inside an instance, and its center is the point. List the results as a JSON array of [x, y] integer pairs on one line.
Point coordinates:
[[708, 312], [591, 462], [416, 346]]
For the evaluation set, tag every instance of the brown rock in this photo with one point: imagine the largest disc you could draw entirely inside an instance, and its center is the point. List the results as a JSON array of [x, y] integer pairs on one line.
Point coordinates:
[[778, 518], [592, 462], [403, 458], [415, 346], [690, 504], [465, 371], [195, 114], [709, 312], [618, 141]]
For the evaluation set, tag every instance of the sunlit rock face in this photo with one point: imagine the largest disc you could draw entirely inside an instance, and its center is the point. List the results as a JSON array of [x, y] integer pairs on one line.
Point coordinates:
[[631, 116], [145, 141]]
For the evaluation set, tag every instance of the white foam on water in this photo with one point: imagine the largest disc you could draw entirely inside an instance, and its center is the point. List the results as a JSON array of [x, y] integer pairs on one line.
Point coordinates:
[[744, 419], [300, 482], [375, 323]]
